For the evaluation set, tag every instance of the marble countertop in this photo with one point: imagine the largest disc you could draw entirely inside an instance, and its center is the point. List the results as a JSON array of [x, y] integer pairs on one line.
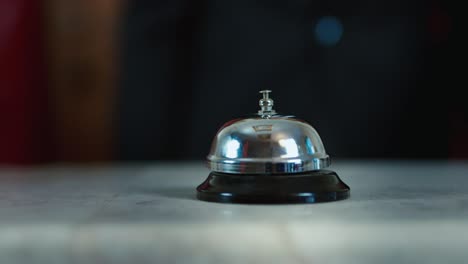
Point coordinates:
[[399, 212]]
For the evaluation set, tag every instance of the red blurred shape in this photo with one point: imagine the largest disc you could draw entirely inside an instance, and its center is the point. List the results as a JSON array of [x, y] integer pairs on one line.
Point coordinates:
[[459, 136], [439, 24], [22, 93]]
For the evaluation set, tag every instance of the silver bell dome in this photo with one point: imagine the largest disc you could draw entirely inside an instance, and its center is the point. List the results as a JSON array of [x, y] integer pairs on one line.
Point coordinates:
[[267, 143]]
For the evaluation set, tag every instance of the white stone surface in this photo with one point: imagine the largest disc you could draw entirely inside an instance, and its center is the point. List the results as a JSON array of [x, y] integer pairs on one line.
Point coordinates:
[[399, 212]]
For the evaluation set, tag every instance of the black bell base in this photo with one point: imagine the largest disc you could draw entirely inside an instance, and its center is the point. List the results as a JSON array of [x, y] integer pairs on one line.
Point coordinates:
[[308, 187]]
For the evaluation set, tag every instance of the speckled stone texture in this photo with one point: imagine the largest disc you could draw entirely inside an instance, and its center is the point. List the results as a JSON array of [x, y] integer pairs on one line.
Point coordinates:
[[398, 212]]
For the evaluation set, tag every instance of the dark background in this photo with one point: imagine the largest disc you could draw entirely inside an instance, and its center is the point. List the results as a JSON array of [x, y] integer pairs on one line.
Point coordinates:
[[116, 80], [386, 89]]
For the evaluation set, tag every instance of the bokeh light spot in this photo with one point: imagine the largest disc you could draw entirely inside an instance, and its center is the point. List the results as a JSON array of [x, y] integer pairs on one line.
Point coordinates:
[[328, 30]]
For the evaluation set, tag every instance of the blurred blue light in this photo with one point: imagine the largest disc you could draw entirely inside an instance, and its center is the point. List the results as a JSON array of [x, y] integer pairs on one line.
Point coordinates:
[[328, 30]]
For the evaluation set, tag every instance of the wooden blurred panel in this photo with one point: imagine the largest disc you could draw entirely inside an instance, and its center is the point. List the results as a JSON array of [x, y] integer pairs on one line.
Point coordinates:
[[82, 51]]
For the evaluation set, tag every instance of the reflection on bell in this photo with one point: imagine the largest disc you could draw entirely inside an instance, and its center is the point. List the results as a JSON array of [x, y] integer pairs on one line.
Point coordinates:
[[269, 158]]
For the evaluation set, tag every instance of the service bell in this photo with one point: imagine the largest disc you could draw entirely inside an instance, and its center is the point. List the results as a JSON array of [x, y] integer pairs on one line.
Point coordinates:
[[269, 158]]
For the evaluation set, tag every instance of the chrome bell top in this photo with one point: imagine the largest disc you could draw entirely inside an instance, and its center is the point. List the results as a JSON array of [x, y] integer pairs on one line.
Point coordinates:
[[267, 143]]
